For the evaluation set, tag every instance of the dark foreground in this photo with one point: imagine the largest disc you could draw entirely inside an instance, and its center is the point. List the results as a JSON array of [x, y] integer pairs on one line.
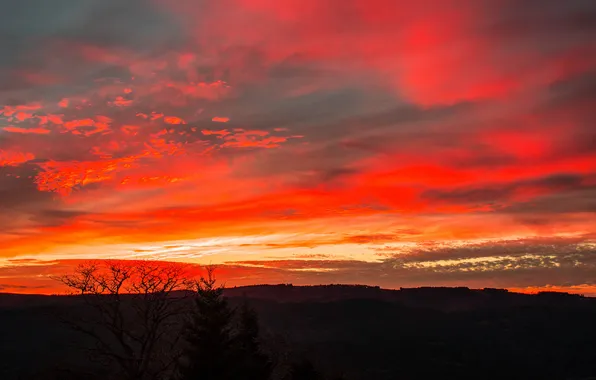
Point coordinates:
[[360, 332]]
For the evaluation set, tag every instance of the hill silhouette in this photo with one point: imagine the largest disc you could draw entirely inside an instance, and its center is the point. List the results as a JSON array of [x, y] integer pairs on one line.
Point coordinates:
[[444, 298], [364, 332]]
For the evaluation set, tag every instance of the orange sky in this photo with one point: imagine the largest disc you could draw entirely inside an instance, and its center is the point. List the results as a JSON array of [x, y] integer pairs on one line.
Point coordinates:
[[440, 142]]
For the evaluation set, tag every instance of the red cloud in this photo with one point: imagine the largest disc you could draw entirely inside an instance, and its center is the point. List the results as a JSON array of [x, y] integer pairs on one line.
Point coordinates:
[[432, 51], [10, 158], [173, 120], [208, 132], [37, 131], [9, 111], [436, 115]]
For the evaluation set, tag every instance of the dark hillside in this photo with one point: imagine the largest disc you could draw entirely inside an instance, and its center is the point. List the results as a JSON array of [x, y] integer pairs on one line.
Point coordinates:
[[368, 333]]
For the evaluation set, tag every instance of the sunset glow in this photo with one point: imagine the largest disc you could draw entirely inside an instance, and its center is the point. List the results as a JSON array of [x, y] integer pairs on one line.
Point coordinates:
[[380, 142]]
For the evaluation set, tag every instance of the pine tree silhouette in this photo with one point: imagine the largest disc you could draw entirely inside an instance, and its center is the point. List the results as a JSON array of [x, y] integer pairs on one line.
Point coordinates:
[[304, 369], [252, 362], [209, 354]]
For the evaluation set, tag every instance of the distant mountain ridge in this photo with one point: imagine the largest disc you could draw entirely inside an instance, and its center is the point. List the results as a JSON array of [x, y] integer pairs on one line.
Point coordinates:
[[444, 298]]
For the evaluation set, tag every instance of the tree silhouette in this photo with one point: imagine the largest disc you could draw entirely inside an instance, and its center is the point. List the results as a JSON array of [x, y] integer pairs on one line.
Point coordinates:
[[304, 369], [133, 315], [222, 343], [252, 362], [337, 377], [209, 351]]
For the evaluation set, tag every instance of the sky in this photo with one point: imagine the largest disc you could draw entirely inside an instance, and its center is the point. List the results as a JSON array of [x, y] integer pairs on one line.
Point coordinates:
[[380, 142]]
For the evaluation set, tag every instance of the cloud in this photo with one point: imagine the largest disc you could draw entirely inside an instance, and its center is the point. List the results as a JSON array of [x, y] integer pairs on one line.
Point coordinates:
[[513, 192], [420, 65], [40, 131], [8, 158], [563, 264], [349, 125], [537, 262]]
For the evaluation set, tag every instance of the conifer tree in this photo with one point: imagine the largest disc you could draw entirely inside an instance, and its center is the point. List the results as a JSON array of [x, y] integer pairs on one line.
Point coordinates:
[[209, 354], [304, 369], [252, 362]]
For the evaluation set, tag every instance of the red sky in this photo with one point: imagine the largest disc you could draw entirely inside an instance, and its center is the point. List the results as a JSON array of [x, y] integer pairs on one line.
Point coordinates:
[[383, 142]]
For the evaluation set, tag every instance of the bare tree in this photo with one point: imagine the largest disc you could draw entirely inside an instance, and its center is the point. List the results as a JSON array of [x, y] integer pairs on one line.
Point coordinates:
[[135, 313]]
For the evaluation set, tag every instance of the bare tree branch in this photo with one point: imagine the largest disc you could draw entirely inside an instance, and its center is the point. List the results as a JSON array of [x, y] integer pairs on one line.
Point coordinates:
[[135, 310]]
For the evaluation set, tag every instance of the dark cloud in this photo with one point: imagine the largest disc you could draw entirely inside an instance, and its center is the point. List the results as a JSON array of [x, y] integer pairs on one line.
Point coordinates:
[[543, 246], [19, 288], [540, 19], [579, 201], [396, 236], [19, 198], [134, 24], [502, 194], [41, 41], [23, 206], [55, 217], [513, 263], [576, 88]]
